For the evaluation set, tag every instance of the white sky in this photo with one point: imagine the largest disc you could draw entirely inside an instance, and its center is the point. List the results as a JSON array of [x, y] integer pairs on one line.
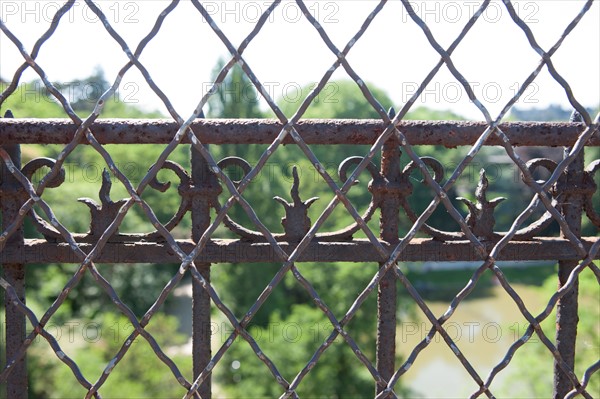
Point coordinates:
[[288, 53]]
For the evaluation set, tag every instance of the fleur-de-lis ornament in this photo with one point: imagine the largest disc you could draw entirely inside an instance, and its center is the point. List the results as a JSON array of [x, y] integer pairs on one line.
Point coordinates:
[[481, 214], [296, 222], [104, 213]]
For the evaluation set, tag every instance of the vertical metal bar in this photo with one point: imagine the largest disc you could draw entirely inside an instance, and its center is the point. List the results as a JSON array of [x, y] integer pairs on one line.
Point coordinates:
[[386, 294], [567, 307], [14, 274], [203, 181]]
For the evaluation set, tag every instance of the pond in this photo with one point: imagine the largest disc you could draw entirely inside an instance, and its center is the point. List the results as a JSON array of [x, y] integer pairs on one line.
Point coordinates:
[[483, 328]]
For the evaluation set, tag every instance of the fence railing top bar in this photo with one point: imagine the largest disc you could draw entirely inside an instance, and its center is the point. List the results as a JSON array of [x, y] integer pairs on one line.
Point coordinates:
[[313, 131]]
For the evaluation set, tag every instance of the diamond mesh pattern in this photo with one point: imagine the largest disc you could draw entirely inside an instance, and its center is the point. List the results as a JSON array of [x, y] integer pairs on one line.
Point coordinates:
[[389, 256]]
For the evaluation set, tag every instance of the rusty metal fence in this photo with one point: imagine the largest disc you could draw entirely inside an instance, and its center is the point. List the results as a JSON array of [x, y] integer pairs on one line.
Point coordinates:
[[566, 197]]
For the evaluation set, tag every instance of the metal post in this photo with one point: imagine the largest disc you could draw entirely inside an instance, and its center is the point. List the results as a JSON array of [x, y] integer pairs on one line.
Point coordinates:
[[14, 274], [567, 307], [204, 182], [386, 294]]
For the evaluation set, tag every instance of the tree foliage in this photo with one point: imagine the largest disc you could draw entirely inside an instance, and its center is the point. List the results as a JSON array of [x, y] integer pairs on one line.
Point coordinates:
[[34, 100], [235, 97], [341, 99], [140, 374], [289, 327], [87, 302]]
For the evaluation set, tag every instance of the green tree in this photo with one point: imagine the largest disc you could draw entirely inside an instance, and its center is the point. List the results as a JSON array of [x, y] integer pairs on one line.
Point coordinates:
[[236, 96], [289, 309], [34, 100], [84, 93], [87, 302], [140, 374], [28, 102], [341, 99], [83, 168]]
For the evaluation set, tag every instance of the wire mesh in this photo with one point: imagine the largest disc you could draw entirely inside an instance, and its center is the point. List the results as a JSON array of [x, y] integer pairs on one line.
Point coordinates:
[[289, 255]]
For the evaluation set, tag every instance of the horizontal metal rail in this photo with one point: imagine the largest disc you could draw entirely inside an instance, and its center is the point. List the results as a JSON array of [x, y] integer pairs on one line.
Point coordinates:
[[232, 251], [313, 131]]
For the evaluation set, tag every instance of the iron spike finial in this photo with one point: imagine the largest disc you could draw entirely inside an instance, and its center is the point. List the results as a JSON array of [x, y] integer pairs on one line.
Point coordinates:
[[104, 213], [481, 214], [296, 222]]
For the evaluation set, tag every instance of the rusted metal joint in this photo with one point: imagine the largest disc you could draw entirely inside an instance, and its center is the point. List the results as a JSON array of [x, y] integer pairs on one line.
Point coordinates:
[[570, 189], [205, 191], [567, 190], [382, 187], [585, 186], [10, 186]]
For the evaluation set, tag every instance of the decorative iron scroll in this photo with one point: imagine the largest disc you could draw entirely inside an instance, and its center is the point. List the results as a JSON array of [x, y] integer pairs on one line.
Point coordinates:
[[296, 223], [45, 228]]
